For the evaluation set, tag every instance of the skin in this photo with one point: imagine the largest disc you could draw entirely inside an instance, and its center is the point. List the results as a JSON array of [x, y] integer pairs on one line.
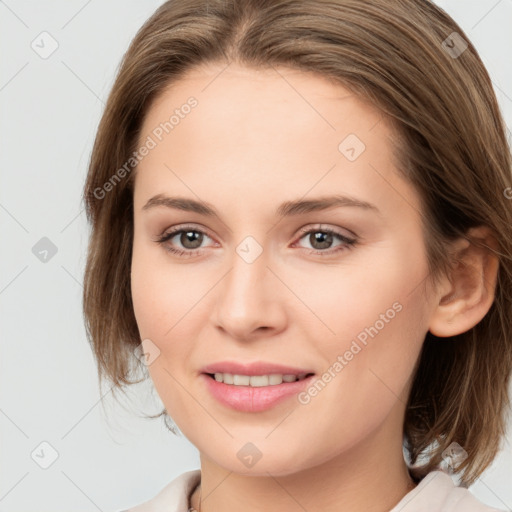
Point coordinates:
[[255, 140]]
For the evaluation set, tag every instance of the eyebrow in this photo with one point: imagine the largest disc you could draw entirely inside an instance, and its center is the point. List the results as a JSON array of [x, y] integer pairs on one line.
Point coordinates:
[[286, 209]]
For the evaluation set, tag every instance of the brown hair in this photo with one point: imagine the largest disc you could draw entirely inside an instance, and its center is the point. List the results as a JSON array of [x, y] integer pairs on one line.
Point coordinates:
[[398, 55]]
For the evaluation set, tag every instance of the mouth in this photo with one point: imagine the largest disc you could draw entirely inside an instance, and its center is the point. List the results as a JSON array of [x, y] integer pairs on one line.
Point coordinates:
[[272, 379], [255, 393]]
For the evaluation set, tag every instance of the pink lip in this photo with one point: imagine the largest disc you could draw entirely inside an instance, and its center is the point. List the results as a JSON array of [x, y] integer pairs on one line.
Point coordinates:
[[255, 368], [254, 399]]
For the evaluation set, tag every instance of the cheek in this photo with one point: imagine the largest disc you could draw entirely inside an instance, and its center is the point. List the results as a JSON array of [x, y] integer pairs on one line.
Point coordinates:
[[160, 309], [378, 314], [147, 301], [372, 296], [160, 291], [170, 305], [383, 368], [366, 380]]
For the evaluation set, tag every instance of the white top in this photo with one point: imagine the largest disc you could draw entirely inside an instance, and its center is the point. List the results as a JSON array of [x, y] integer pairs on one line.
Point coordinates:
[[436, 492]]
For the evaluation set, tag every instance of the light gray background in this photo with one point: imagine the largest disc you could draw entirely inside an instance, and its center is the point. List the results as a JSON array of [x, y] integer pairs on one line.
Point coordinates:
[[50, 109]]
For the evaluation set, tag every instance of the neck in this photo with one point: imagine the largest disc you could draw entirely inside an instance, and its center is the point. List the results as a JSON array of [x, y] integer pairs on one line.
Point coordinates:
[[367, 478]]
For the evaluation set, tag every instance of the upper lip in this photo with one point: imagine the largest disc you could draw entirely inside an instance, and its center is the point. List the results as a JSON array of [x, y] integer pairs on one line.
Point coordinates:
[[254, 368]]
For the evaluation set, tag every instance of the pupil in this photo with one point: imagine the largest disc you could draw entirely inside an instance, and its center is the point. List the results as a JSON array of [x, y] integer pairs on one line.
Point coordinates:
[[192, 237], [325, 239]]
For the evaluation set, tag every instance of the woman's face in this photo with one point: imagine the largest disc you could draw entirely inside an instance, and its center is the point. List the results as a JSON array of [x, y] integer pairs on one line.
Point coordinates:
[[264, 279]]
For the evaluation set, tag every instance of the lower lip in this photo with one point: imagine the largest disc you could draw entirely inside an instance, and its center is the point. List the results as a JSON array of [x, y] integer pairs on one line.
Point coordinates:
[[254, 399]]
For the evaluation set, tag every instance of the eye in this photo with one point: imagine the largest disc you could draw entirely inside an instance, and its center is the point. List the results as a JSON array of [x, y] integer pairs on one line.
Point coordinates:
[[191, 239], [322, 238]]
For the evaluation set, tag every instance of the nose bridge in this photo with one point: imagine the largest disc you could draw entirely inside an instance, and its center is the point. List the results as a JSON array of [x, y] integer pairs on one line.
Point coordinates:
[[248, 275], [247, 297]]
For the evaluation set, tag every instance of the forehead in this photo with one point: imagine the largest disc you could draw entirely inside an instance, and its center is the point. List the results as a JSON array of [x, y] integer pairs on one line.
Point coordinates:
[[277, 128], [228, 89]]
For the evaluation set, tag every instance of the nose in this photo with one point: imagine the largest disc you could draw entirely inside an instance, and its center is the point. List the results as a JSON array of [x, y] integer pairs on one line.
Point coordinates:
[[250, 301]]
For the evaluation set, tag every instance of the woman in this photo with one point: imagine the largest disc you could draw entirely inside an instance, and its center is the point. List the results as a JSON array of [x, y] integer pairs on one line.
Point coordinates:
[[301, 230]]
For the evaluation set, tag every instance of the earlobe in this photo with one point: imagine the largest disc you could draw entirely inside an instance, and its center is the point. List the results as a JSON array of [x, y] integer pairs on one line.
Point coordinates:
[[466, 296]]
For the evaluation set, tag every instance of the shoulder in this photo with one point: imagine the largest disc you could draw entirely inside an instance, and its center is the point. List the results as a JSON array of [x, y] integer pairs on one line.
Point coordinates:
[[437, 492], [173, 497]]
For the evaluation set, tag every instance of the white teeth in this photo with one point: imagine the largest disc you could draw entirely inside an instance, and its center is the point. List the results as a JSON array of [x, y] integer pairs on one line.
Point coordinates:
[[241, 380], [256, 380]]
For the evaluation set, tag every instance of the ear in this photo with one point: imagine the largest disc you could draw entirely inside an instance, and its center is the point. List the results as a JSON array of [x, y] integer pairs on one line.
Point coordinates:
[[466, 296]]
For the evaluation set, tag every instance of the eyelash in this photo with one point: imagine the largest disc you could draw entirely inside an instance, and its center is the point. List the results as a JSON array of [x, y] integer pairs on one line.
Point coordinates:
[[349, 243]]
